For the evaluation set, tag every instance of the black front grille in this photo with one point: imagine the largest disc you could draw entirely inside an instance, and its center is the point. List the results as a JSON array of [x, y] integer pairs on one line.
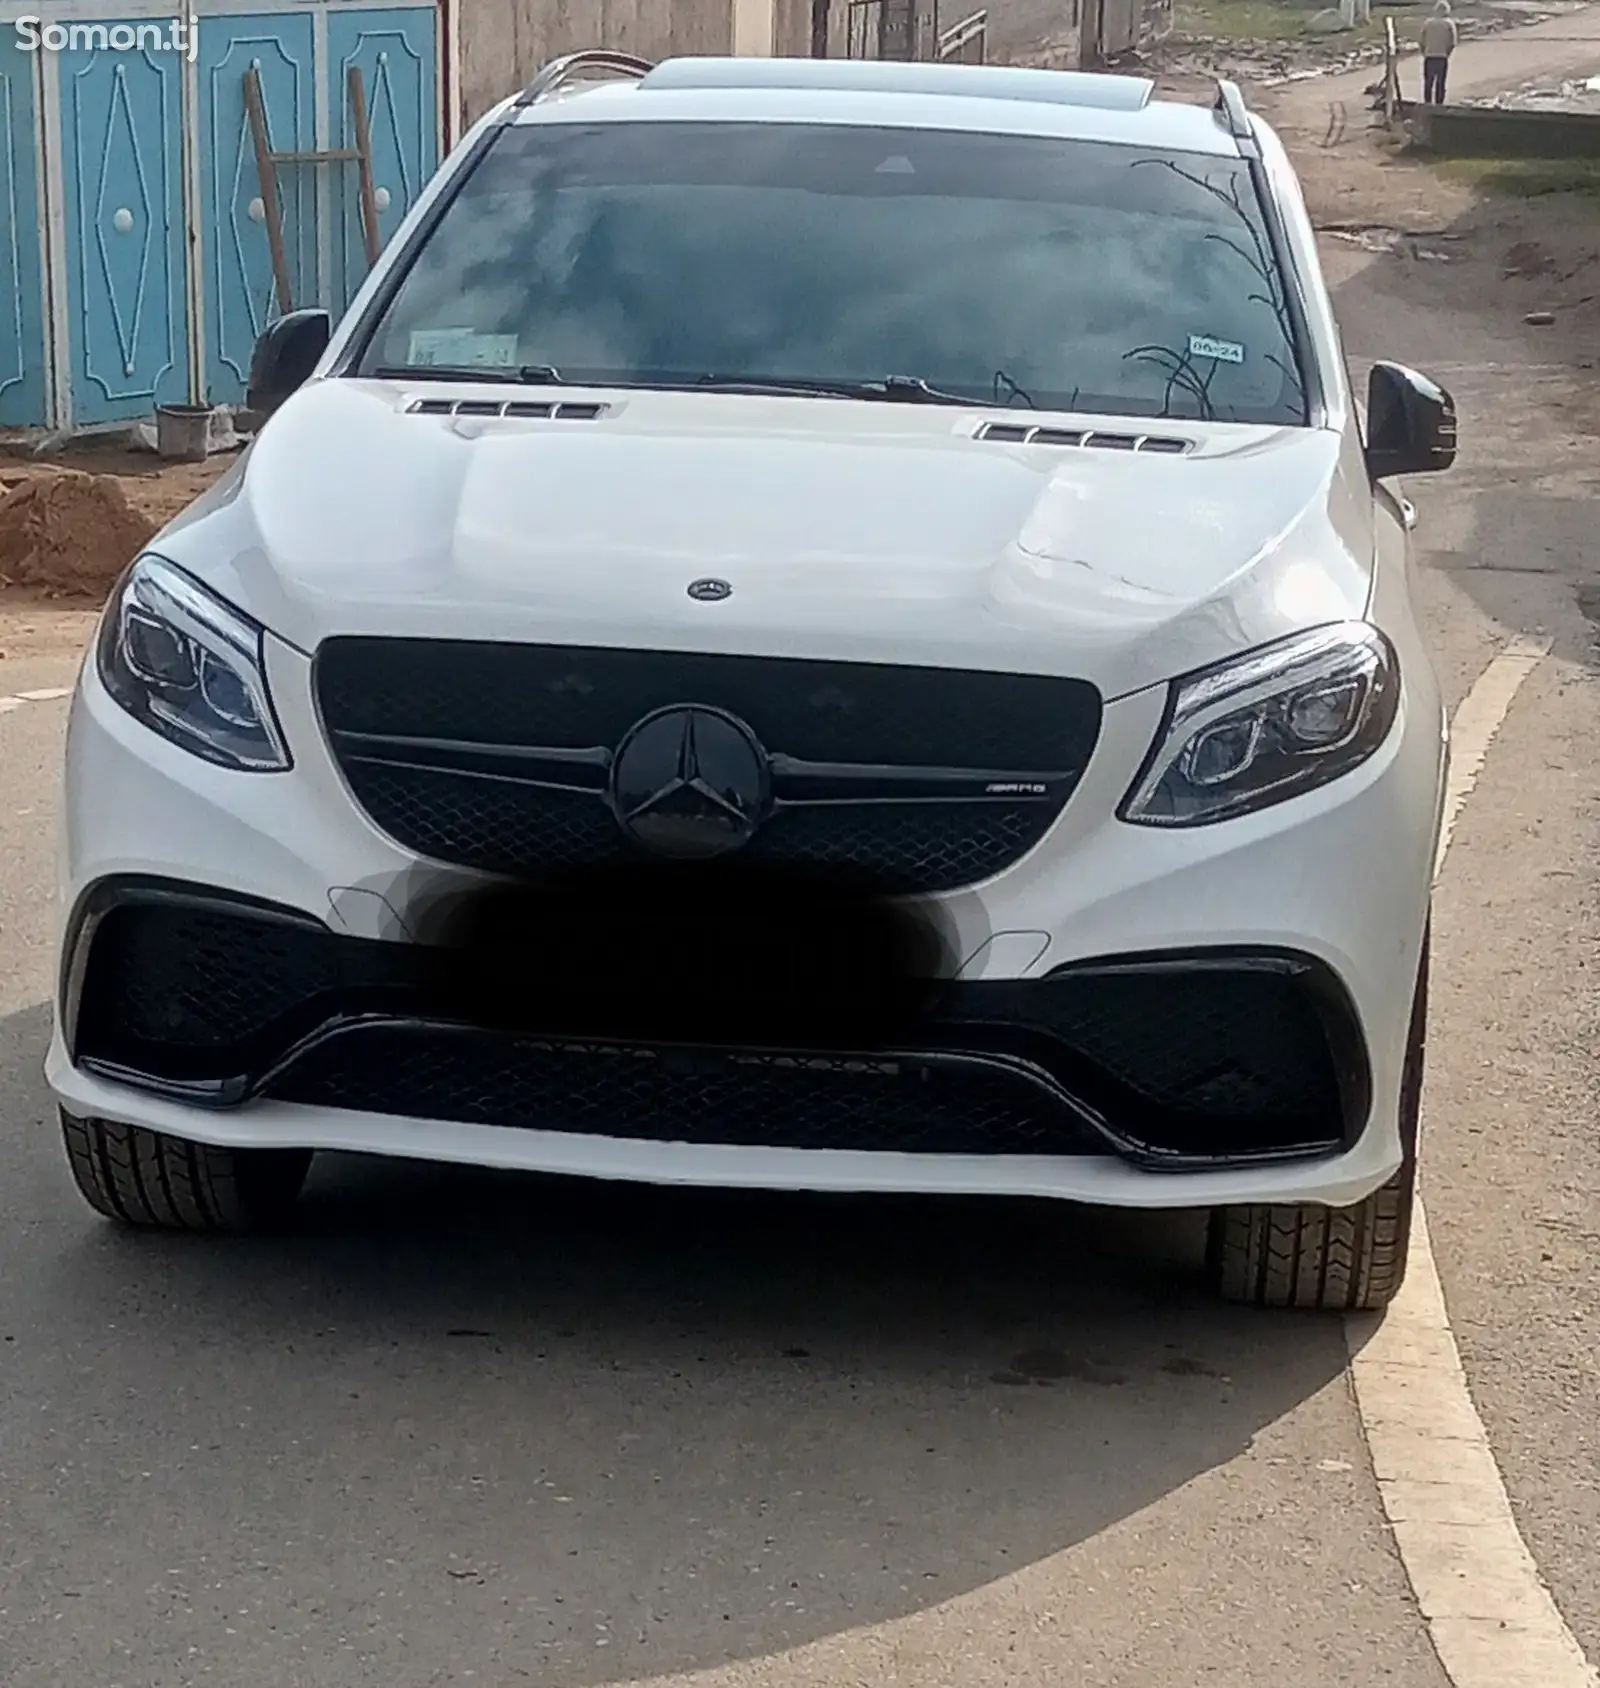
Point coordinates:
[[477, 823], [1200, 1058], [822, 711], [409, 719], [661, 1095], [201, 979]]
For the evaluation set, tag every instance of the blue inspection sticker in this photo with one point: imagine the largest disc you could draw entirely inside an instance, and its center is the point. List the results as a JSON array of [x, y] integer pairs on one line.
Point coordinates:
[[1218, 351]]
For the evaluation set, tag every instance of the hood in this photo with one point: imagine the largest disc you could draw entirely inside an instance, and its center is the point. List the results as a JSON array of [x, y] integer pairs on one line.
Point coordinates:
[[876, 532]]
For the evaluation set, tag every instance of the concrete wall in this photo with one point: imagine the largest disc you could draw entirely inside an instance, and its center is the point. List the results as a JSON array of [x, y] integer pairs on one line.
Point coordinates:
[[505, 42], [1485, 132], [792, 28]]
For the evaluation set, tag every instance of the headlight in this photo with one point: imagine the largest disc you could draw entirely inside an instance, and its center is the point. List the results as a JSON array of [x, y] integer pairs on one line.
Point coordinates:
[[190, 668], [1268, 726]]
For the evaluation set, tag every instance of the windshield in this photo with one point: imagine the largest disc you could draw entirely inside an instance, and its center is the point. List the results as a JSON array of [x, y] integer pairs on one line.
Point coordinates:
[[1064, 275]]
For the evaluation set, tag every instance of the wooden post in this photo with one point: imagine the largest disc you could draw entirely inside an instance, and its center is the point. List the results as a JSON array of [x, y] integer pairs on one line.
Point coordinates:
[[369, 190], [267, 169], [820, 10], [1091, 34]]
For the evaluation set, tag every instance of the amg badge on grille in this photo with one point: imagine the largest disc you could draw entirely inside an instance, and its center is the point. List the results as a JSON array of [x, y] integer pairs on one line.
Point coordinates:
[[709, 590]]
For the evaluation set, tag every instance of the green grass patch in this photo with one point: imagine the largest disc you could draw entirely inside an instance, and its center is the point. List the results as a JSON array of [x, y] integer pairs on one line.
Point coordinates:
[[1526, 178], [1262, 20]]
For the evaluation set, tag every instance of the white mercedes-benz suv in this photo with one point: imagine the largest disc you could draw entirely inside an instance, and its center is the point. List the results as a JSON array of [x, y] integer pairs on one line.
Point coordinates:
[[816, 626]]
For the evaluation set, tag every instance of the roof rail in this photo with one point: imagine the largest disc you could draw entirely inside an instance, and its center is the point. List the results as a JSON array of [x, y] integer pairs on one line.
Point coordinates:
[[899, 76], [573, 66], [1230, 112]]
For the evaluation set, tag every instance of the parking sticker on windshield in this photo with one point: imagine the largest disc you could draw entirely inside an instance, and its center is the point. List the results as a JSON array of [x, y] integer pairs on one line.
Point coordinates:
[[462, 348], [1219, 351]]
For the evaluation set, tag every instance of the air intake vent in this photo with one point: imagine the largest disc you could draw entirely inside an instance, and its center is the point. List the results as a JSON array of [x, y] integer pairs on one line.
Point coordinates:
[[1016, 433], [518, 410]]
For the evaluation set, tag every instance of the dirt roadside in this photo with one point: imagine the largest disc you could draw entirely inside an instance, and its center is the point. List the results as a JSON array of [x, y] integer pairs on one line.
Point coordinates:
[[69, 524]]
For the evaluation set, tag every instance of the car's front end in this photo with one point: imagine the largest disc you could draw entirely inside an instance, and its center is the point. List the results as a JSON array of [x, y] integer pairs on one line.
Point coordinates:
[[794, 789], [1183, 917]]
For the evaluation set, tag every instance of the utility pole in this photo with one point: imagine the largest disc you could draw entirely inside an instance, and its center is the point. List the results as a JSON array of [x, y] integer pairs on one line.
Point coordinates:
[[819, 28]]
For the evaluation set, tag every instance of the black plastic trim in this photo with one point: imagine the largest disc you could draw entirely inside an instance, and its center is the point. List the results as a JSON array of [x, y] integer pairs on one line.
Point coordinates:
[[119, 891], [1341, 1023], [1307, 365], [371, 995], [797, 783]]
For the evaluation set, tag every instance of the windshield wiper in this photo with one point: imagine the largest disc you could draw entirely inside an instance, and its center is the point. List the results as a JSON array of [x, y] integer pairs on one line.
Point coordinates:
[[893, 389], [528, 375]]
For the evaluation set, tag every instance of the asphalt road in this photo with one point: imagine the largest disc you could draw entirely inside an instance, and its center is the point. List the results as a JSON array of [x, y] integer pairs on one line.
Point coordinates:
[[495, 1430]]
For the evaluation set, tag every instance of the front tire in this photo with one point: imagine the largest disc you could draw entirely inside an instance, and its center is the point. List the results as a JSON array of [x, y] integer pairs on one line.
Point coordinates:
[[145, 1178], [1335, 1259]]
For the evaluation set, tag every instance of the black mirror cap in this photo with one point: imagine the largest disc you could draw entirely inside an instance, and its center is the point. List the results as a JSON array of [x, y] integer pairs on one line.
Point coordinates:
[[1411, 424], [284, 357]]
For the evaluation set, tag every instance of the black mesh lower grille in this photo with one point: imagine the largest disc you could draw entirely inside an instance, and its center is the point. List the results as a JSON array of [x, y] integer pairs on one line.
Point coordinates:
[[673, 1096], [199, 978], [1237, 1043], [1200, 1058]]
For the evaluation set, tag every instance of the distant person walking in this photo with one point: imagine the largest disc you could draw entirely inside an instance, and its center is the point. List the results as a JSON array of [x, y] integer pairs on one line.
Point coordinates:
[[1439, 39]]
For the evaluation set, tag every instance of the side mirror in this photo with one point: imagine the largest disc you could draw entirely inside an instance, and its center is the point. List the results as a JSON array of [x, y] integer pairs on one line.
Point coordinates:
[[1411, 424], [284, 357]]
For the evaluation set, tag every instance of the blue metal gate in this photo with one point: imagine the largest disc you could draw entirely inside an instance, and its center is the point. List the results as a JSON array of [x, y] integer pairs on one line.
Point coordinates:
[[239, 289], [395, 53], [23, 399], [150, 253], [123, 198]]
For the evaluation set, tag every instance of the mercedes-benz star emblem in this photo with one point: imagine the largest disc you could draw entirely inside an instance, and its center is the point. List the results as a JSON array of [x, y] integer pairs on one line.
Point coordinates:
[[690, 783], [709, 590]]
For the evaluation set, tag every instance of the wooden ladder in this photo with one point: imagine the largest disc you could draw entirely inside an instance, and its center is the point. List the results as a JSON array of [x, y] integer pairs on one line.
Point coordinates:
[[269, 162]]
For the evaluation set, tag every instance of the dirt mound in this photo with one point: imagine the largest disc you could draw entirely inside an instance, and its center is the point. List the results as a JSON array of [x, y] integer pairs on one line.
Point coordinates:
[[69, 534]]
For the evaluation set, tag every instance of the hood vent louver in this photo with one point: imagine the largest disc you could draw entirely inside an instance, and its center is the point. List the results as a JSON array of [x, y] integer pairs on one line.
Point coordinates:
[[517, 410], [1093, 439]]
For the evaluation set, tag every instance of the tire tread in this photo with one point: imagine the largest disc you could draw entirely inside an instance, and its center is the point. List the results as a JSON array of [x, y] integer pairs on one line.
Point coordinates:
[[147, 1179], [1337, 1259]]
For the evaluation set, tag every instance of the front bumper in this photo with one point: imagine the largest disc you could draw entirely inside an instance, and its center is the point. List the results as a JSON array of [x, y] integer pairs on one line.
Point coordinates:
[[1320, 903]]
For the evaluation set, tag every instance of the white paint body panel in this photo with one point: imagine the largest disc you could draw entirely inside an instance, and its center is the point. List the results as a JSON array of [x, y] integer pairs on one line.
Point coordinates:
[[849, 531]]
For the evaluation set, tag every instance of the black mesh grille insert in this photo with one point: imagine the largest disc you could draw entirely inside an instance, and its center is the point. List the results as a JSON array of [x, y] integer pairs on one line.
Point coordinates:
[[1239, 1041], [577, 699], [823, 711], [937, 849], [480, 1078], [198, 978], [1201, 1057], [483, 824]]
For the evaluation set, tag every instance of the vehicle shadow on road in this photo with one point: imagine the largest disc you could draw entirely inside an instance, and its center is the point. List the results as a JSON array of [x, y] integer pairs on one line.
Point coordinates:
[[514, 1411]]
